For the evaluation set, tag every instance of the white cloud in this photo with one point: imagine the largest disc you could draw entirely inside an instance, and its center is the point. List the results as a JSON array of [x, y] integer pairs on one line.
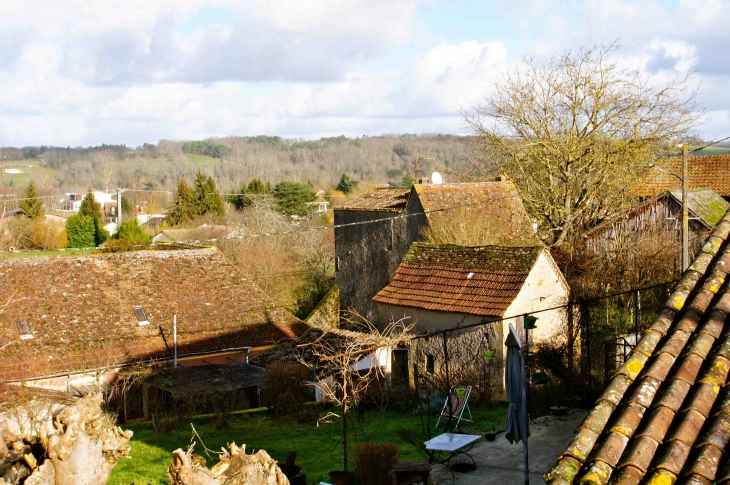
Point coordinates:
[[87, 72]]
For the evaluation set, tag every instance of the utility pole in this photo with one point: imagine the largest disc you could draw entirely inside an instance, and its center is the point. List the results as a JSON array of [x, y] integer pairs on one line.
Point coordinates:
[[119, 209], [685, 214]]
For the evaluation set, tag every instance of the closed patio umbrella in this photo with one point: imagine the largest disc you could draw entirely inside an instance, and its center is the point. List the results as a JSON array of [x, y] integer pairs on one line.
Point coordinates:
[[516, 426]]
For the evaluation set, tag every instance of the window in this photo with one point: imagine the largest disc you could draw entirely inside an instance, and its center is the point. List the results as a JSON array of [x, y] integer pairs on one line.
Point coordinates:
[[430, 364], [141, 316]]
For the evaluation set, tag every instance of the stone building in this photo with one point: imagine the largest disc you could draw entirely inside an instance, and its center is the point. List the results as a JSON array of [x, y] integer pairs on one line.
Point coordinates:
[[444, 286], [374, 231]]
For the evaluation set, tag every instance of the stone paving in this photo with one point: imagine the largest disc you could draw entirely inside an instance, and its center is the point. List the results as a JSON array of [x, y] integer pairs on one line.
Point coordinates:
[[500, 462]]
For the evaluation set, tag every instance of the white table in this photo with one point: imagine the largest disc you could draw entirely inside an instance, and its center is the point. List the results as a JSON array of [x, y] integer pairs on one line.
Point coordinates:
[[455, 443]]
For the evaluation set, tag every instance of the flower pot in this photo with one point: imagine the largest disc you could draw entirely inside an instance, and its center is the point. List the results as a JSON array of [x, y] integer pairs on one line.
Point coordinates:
[[341, 478], [297, 476], [488, 355]]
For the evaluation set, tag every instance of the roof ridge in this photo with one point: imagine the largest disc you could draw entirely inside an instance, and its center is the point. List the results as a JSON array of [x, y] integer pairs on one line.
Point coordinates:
[[688, 318]]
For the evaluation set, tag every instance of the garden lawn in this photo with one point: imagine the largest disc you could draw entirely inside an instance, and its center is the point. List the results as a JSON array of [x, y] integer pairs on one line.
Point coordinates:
[[318, 448]]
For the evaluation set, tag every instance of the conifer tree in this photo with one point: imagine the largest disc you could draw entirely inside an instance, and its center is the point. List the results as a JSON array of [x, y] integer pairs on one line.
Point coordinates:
[[183, 208], [90, 207], [199, 191], [213, 200], [32, 206]]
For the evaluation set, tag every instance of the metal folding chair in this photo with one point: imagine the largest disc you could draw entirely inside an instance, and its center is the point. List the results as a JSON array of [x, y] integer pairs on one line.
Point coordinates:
[[458, 400]]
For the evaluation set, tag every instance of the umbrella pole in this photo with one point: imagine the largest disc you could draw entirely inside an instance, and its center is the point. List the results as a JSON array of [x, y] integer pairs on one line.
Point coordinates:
[[523, 351]]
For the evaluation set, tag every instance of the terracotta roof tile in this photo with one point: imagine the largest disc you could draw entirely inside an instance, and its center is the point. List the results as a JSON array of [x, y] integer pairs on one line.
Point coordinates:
[[645, 392], [657, 424], [702, 399], [705, 462], [704, 172], [496, 205], [80, 309], [380, 200], [474, 280], [641, 453], [611, 448], [628, 475], [673, 456], [674, 375]]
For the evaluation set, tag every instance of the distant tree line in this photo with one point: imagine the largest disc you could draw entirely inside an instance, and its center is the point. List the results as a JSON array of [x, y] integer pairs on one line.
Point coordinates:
[[206, 148]]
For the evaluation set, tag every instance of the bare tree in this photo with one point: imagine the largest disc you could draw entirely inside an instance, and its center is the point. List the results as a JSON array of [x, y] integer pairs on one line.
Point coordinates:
[[346, 362], [573, 131]]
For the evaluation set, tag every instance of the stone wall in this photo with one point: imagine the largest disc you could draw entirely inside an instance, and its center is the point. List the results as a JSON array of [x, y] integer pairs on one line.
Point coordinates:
[[326, 315]]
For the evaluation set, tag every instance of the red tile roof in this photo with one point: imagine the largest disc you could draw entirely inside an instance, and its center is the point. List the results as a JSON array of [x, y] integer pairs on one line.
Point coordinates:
[[665, 416], [704, 173], [496, 205], [386, 200], [474, 280], [80, 309]]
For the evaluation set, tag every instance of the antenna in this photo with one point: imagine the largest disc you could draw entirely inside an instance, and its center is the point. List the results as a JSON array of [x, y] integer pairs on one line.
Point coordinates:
[[415, 164]]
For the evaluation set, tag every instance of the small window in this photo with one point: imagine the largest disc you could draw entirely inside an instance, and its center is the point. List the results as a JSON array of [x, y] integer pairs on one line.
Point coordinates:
[[430, 364], [141, 316], [25, 330]]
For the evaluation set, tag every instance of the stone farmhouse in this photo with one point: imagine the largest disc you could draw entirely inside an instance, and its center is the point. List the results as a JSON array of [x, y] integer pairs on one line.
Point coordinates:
[[439, 287], [374, 232], [77, 323]]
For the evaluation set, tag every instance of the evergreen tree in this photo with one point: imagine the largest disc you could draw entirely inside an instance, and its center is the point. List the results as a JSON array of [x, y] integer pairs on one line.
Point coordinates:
[[90, 207], [80, 231], [199, 191], [184, 207], [32, 206], [255, 187], [347, 184], [133, 233], [127, 208], [292, 197], [408, 181], [213, 202]]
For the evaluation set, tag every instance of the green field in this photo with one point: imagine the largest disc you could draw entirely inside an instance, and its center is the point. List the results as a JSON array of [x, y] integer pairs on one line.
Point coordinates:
[[31, 170], [709, 151], [34, 254], [317, 447]]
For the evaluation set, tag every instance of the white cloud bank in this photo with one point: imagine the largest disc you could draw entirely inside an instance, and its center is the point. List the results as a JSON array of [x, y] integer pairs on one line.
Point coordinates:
[[84, 72]]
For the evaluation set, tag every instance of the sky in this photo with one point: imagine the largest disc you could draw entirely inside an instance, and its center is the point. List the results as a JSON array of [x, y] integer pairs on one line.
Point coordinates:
[[80, 73]]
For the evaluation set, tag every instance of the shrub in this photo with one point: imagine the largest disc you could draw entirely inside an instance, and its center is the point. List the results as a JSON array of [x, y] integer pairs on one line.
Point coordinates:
[[133, 233], [284, 388], [374, 462], [80, 231]]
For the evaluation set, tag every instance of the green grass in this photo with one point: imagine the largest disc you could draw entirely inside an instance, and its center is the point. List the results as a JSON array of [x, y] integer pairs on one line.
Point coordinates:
[[318, 448], [34, 254], [705, 152]]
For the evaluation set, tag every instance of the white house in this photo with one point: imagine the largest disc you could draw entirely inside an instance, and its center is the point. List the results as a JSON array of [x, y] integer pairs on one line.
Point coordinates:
[[73, 200]]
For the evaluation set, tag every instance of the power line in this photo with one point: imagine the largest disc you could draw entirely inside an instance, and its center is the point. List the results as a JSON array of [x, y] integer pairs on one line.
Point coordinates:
[[710, 144]]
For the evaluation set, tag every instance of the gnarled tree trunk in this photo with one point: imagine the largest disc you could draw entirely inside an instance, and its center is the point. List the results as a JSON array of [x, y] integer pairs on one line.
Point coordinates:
[[47, 442], [234, 468]]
